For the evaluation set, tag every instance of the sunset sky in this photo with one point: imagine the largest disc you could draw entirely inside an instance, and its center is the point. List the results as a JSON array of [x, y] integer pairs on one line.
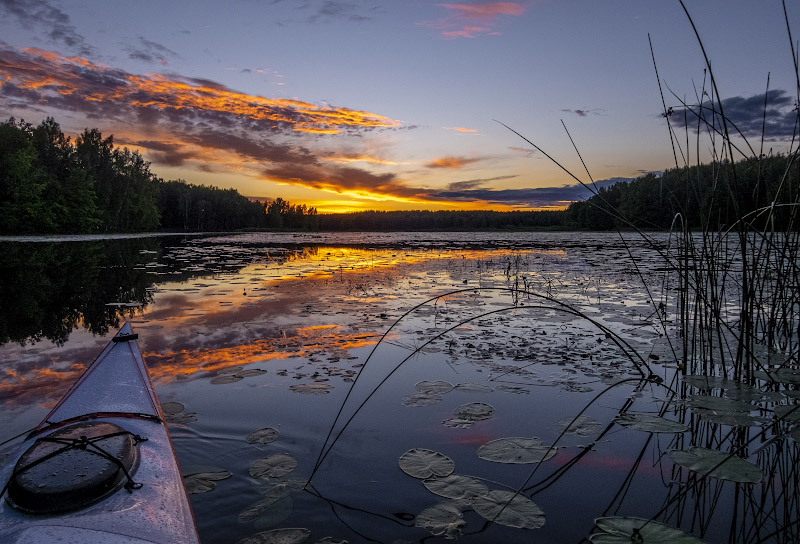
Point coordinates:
[[383, 104]]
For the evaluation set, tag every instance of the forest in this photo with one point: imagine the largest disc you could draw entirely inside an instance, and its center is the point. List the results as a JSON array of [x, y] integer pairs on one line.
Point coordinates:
[[50, 184]]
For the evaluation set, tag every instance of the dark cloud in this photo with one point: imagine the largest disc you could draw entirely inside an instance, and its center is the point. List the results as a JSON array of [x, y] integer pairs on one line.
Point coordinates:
[[538, 197], [583, 112], [149, 51], [41, 15], [747, 114]]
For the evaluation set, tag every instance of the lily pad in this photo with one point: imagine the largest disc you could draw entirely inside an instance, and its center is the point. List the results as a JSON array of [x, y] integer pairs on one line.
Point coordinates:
[[421, 463], [467, 414], [250, 372], [455, 486], [220, 380], [733, 419], [717, 464], [786, 375], [621, 530], [516, 450], [173, 413], [708, 402], [278, 536], [582, 425], [509, 509], [788, 412], [473, 388], [273, 466], [438, 387], [706, 382], [262, 436], [315, 388], [442, 519], [204, 482], [650, 423], [415, 400], [272, 509]]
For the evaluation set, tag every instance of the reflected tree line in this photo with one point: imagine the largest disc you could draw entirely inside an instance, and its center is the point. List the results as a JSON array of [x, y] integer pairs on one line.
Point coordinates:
[[49, 289]]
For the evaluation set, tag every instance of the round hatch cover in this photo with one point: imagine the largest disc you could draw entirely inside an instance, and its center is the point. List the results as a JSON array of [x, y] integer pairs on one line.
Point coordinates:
[[78, 475]]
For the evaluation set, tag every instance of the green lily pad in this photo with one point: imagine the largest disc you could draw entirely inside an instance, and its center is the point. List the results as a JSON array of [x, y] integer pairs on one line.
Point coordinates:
[[262, 436], [705, 461], [732, 419], [173, 413], [442, 519], [455, 486], [650, 423], [786, 375], [509, 509], [437, 387], [473, 388], [582, 426], [273, 466], [706, 382], [220, 380], [270, 510], [421, 463], [516, 450], [622, 530], [708, 402], [250, 372], [278, 536], [315, 388], [467, 414], [425, 398], [788, 412], [203, 482]]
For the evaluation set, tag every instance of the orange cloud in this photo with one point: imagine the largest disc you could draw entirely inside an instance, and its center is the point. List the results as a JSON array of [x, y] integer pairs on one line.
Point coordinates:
[[77, 84], [462, 129], [472, 20], [451, 162]]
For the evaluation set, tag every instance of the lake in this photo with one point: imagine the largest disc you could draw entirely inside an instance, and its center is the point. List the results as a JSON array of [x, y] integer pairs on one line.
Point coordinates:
[[331, 382]]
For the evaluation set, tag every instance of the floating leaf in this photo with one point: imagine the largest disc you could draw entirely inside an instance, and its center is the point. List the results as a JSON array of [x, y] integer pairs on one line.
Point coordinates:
[[473, 388], [442, 519], [621, 530], [786, 375], [516, 450], [650, 423], [467, 414], [582, 425], [278, 536], [425, 398], [171, 408], [705, 461], [273, 466], [262, 436], [733, 419], [437, 387], [219, 380], [273, 508], [231, 370], [422, 463], [250, 372], [706, 382], [509, 509], [707, 402], [315, 388], [203, 482], [788, 412], [173, 413], [455, 486]]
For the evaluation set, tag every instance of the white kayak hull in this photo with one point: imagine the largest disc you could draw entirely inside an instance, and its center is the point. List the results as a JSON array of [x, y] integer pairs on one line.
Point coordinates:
[[115, 389]]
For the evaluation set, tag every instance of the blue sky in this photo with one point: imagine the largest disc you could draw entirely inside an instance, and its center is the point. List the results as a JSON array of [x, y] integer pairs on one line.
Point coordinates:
[[348, 105]]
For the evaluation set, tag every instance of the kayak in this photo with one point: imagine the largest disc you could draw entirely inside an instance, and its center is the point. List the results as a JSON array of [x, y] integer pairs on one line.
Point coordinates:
[[100, 468]]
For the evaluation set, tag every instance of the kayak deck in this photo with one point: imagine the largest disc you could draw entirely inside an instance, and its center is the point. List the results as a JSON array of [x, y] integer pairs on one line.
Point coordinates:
[[114, 390]]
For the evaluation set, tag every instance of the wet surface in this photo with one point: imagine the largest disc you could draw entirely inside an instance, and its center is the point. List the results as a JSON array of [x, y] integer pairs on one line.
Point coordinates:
[[444, 342]]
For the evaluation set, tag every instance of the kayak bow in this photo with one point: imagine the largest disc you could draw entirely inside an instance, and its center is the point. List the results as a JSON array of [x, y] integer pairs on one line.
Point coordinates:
[[100, 468]]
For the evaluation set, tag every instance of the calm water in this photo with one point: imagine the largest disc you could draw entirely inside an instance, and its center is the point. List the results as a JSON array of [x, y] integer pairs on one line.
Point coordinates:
[[256, 331]]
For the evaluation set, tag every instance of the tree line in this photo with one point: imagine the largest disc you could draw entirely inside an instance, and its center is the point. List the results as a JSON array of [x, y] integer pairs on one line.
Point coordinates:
[[712, 196], [50, 184]]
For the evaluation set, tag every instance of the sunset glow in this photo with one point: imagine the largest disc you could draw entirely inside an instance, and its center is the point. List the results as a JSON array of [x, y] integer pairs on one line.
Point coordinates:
[[344, 106]]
